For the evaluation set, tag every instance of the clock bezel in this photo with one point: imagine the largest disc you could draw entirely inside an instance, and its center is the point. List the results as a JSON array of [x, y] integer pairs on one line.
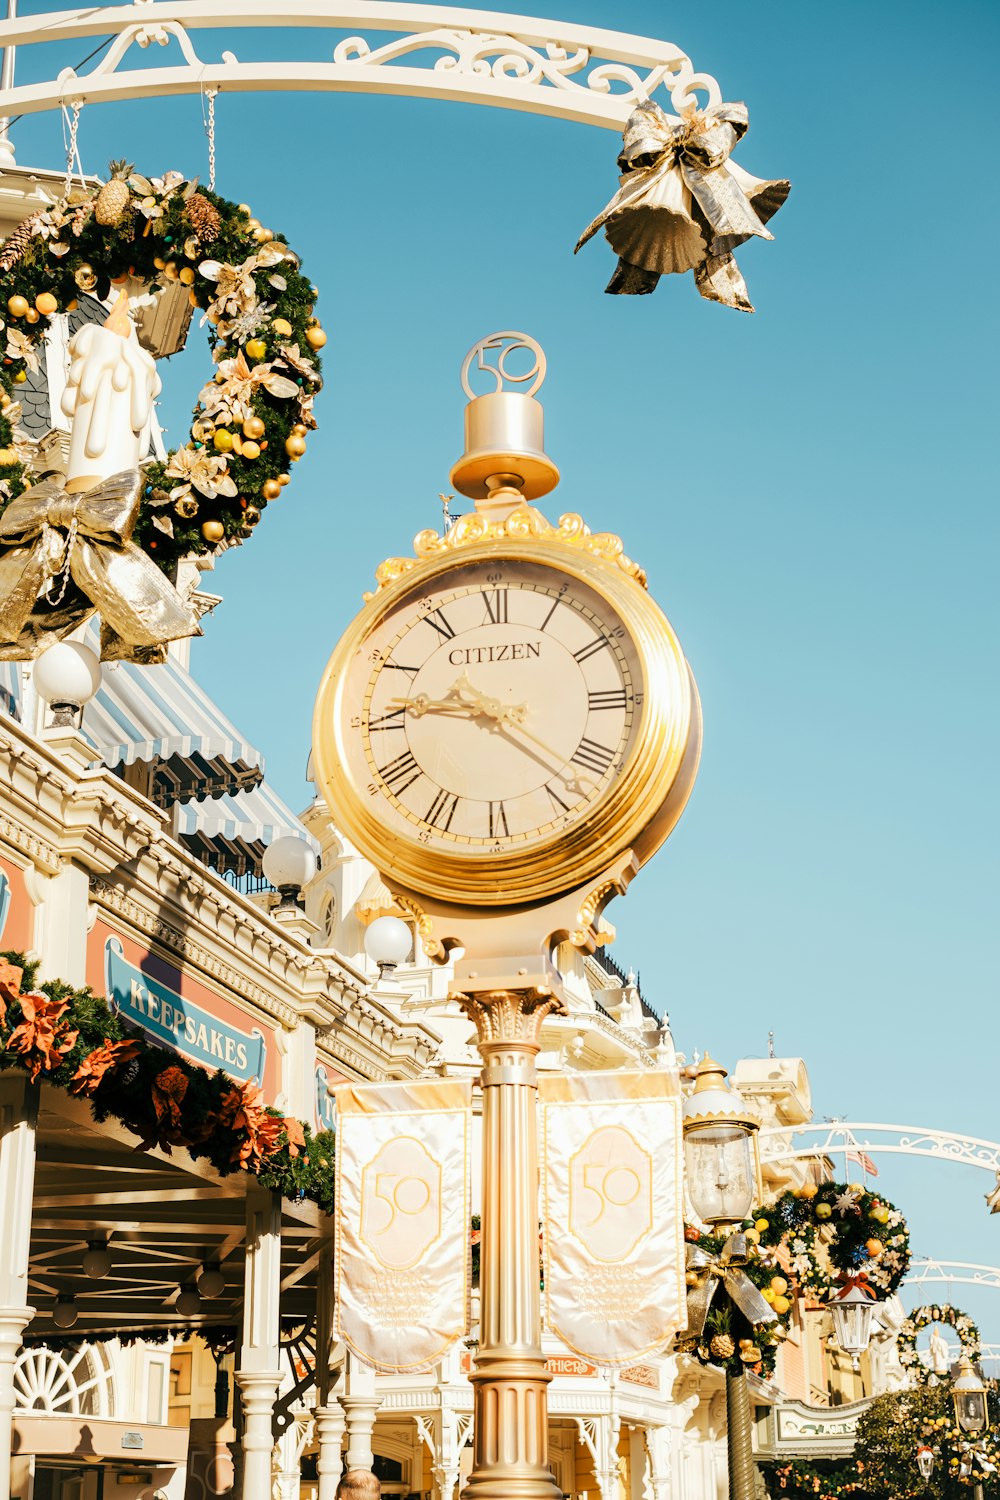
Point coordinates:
[[656, 774]]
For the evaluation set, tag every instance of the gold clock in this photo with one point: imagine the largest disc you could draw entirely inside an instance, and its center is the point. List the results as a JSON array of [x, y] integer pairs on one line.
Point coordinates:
[[506, 716]]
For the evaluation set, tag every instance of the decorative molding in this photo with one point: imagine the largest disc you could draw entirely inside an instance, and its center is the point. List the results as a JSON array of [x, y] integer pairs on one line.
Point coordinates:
[[524, 524], [38, 850], [842, 1138], [556, 68]]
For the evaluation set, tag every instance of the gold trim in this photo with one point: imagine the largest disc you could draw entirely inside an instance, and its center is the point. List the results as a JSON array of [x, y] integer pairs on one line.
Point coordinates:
[[525, 523], [638, 811]]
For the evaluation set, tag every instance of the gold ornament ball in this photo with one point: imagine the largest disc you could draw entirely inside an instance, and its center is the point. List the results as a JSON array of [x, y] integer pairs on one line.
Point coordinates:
[[31, 316], [284, 479], [254, 428], [808, 1190], [779, 1285], [315, 338], [281, 327], [262, 236], [253, 225], [213, 531], [17, 305], [223, 440], [856, 1188], [159, 263], [295, 446], [823, 1210], [768, 1293], [752, 1236], [270, 489], [299, 429], [781, 1304], [46, 304], [186, 275], [255, 349], [251, 515], [875, 1248], [750, 1356], [20, 377], [186, 507], [192, 297], [7, 456], [250, 449], [85, 277], [691, 1278], [762, 1224]]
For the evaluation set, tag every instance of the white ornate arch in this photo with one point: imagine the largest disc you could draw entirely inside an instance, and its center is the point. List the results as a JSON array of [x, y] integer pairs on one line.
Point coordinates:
[[65, 1382], [843, 1138], [556, 68]]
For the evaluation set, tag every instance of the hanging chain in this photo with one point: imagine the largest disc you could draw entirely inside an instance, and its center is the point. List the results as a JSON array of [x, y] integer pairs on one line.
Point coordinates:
[[208, 119], [72, 149], [63, 568]]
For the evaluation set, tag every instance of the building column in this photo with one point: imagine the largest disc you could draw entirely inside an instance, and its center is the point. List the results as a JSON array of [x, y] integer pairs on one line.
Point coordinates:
[[360, 1404], [657, 1445], [259, 1374], [18, 1118]]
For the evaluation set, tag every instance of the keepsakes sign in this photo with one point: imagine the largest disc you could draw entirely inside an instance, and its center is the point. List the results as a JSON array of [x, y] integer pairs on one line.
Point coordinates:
[[181, 1013], [402, 1220], [612, 1209], [326, 1081]]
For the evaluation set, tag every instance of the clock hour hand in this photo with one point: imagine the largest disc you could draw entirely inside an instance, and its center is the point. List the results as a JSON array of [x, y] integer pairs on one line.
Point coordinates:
[[463, 698]]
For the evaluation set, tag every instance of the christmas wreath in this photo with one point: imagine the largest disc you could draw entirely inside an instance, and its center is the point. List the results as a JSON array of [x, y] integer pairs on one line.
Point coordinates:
[[73, 1040], [730, 1340], [838, 1230], [924, 1317], [166, 234]]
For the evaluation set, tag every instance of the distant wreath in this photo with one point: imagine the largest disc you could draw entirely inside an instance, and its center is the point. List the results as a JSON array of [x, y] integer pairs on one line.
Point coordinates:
[[925, 1317], [251, 418], [836, 1232]]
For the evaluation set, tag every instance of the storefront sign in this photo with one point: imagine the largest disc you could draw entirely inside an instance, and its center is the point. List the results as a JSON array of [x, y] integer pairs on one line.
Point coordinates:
[[180, 1013], [326, 1079]]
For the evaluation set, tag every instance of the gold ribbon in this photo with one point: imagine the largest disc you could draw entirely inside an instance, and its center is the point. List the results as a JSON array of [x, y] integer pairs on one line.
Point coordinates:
[[64, 556], [683, 205], [725, 1270]]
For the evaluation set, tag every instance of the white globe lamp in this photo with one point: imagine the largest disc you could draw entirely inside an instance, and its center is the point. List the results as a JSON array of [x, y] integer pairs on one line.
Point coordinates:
[[66, 676], [211, 1282], [65, 1313], [289, 864], [188, 1302], [387, 943], [96, 1262]]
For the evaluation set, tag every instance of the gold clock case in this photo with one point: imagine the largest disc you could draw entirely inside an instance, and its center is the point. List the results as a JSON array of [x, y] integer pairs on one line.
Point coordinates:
[[637, 811]]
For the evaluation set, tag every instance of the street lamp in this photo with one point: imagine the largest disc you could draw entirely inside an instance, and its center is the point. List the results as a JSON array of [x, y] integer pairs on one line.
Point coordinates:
[[925, 1463], [289, 864], [969, 1396], [722, 1174], [66, 677], [388, 942], [852, 1309]]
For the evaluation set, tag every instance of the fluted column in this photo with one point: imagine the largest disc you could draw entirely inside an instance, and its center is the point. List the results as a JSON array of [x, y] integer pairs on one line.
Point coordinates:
[[259, 1374], [511, 1459], [18, 1115], [330, 1424]]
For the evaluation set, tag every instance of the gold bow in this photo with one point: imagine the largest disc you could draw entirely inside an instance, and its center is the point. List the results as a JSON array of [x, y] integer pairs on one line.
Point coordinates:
[[62, 556], [683, 205], [726, 1270]]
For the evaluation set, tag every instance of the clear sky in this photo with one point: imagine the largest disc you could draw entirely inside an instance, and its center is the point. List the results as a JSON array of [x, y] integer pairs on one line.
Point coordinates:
[[812, 490]]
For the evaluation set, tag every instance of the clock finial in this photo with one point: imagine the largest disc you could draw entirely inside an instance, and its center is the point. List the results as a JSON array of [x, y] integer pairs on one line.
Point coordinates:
[[504, 460]]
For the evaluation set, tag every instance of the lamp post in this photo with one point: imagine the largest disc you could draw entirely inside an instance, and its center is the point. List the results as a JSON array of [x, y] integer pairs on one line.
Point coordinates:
[[722, 1174], [969, 1395]]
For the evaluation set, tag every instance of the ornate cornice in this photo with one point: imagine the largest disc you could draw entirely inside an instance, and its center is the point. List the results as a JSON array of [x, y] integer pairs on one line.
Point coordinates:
[[37, 849], [114, 898]]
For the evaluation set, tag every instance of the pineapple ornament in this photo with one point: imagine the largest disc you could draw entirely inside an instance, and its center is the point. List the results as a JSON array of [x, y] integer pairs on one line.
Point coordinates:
[[113, 199]]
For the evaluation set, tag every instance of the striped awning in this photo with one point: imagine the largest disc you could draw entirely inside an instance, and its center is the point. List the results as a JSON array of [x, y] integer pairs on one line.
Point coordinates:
[[160, 715], [231, 833]]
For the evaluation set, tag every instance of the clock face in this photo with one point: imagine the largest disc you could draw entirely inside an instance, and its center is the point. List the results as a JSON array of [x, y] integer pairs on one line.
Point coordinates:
[[491, 709]]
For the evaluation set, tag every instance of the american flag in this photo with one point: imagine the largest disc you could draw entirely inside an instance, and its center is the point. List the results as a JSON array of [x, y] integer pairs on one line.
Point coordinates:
[[864, 1161]]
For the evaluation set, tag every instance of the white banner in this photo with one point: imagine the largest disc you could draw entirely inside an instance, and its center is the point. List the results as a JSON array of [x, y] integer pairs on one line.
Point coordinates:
[[402, 1220], [613, 1212]]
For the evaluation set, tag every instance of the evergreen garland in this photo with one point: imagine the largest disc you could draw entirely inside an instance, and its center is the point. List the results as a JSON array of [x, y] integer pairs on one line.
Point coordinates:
[[838, 1230], [72, 1039]]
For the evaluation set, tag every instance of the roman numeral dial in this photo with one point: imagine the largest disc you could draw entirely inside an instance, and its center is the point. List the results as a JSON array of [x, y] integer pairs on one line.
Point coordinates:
[[495, 710]]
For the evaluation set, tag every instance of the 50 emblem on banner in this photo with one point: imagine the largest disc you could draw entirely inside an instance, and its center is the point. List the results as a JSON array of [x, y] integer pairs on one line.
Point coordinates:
[[401, 1202], [611, 1193]]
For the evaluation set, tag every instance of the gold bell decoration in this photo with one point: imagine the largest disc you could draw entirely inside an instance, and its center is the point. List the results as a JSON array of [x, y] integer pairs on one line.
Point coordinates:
[[505, 453], [683, 204]]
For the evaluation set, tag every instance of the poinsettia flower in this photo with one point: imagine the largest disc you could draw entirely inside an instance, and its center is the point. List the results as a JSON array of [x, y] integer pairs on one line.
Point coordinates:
[[10, 981], [243, 327], [43, 1037], [207, 472], [290, 355], [235, 288], [109, 1056], [242, 1110], [232, 397], [294, 1136], [20, 346]]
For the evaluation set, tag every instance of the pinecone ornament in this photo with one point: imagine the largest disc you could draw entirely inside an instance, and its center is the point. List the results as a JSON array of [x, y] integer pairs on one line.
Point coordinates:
[[113, 199], [722, 1346], [16, 244], [204, 218]]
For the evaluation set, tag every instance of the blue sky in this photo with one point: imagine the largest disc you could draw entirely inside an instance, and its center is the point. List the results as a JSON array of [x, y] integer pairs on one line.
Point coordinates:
[[812, 490]]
